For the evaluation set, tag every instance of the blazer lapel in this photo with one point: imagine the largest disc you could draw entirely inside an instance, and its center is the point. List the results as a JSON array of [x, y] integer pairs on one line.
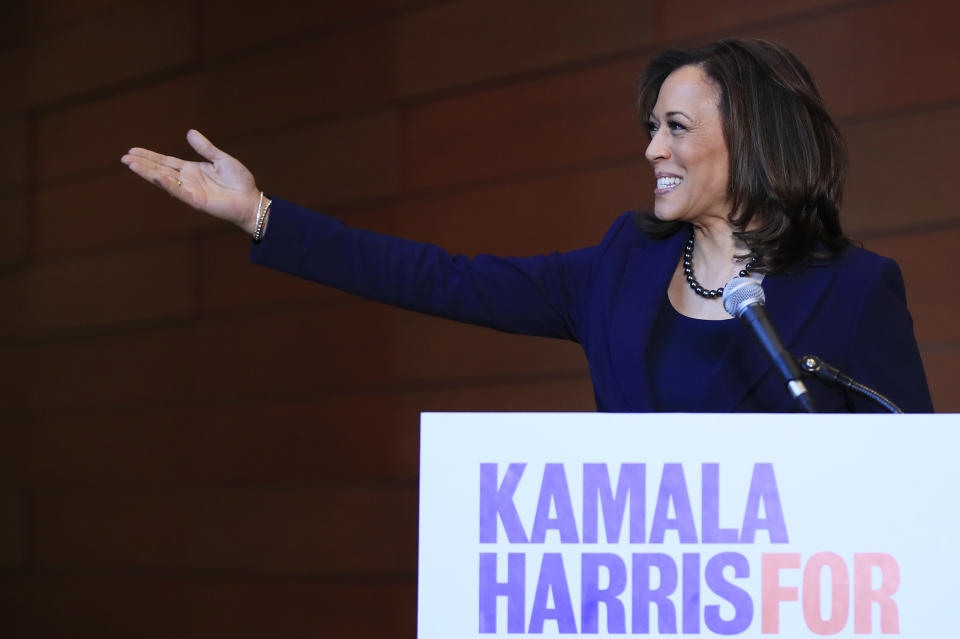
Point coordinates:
[[790, 301], [643, 288]]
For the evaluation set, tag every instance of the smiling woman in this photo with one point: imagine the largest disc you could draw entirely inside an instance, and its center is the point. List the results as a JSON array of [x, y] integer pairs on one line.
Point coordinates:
[[750, 171], [688, 152], [785, 181]]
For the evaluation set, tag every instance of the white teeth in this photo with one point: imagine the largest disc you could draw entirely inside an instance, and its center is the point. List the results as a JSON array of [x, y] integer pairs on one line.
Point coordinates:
[[667, 182]]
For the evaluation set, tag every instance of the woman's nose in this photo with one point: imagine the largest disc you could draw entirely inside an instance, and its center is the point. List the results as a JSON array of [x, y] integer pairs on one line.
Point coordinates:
[[657, 149]]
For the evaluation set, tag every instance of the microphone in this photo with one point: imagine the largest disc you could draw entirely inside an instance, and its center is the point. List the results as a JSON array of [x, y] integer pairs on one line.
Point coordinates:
[[743, 298]]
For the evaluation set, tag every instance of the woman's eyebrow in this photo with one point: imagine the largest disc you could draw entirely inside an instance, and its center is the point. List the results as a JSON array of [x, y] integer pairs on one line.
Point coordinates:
[[672, 113]]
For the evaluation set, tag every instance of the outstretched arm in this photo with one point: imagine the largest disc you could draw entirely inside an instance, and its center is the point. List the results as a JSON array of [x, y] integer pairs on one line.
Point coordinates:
[[220, 186], [539, 295]]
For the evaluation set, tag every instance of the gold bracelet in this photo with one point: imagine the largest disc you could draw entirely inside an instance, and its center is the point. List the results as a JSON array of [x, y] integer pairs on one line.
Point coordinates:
[[263, 212]]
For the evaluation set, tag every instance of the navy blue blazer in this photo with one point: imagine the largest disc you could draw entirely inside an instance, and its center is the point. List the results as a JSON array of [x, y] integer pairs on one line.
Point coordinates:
[[850, 311]]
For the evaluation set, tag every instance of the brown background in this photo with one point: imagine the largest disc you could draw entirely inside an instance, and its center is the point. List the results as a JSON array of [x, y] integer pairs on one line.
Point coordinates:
[[193, 446]]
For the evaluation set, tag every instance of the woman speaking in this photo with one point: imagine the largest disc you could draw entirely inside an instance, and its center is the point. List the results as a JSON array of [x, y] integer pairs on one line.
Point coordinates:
[[749, 173]]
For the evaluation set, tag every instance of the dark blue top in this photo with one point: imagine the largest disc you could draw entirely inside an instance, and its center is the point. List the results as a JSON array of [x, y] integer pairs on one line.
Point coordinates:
[[683, 356], [851, 311]]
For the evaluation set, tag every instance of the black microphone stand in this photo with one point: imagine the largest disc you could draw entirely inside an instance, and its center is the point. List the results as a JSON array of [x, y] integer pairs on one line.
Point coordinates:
[[815, 366]]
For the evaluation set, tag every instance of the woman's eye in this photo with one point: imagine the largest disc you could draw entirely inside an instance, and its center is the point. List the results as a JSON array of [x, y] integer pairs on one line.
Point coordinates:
[[651, 128], [676, 126]]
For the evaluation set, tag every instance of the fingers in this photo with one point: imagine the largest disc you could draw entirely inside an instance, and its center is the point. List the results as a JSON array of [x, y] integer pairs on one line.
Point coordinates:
[[150, 165], [203, 146], [149, 157], [165, 177], [162, 170]]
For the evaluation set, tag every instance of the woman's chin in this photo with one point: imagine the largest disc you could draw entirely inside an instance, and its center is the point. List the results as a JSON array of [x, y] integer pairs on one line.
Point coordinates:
[[665, 214]]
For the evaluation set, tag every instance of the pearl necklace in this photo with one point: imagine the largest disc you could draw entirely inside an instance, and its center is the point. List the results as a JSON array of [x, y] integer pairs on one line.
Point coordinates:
[[697, 286]]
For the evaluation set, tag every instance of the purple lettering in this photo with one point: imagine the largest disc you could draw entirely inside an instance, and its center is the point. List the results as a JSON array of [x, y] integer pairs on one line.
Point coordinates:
[[763, 488], [553, 580], [592, 595], [498, 502], [691, 594], [597, 492], [739, 598], [644, 595], [673, 488], [554, 490], [513, 589], [711, 532]]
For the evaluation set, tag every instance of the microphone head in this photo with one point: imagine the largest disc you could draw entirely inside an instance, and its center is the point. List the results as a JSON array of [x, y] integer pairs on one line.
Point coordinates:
[[741, 292]]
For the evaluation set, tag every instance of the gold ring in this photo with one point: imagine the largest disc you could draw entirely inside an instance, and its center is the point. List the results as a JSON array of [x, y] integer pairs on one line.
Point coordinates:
[[179, 183]]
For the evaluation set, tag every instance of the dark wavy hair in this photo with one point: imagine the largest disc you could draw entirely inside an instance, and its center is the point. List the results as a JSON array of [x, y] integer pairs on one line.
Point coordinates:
[[787, 158]]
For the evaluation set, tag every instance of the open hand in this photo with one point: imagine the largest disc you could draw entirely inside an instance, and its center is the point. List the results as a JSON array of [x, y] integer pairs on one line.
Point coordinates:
[[221, 186]]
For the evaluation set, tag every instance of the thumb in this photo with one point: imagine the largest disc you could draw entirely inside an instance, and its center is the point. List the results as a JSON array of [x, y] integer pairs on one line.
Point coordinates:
[[203, 146]]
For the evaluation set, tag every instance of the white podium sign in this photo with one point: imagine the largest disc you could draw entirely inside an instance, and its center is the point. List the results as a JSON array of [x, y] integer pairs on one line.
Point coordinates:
[[702, 525]]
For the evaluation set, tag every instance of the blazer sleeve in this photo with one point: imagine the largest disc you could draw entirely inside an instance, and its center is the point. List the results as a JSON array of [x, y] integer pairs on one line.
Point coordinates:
[[540, 295], [884, 352]]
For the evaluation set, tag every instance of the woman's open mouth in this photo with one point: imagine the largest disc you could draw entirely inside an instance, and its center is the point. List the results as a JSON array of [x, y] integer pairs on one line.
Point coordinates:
[[667, 183]]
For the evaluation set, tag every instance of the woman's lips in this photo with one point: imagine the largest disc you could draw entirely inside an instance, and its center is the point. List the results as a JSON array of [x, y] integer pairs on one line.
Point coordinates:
[[667, 183]]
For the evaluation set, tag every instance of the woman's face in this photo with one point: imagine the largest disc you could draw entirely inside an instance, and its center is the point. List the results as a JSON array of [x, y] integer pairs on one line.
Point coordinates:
[[688, 150]]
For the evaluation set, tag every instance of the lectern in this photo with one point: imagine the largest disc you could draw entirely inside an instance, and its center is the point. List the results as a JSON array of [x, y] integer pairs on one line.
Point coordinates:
[[548, 524]]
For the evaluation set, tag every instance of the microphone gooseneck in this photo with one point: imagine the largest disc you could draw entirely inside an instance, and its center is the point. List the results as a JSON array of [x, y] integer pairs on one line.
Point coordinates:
[[816, 366], [743, 298]]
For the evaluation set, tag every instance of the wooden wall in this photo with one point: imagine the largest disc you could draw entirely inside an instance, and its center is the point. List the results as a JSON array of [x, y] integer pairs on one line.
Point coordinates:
[[193, 446]]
